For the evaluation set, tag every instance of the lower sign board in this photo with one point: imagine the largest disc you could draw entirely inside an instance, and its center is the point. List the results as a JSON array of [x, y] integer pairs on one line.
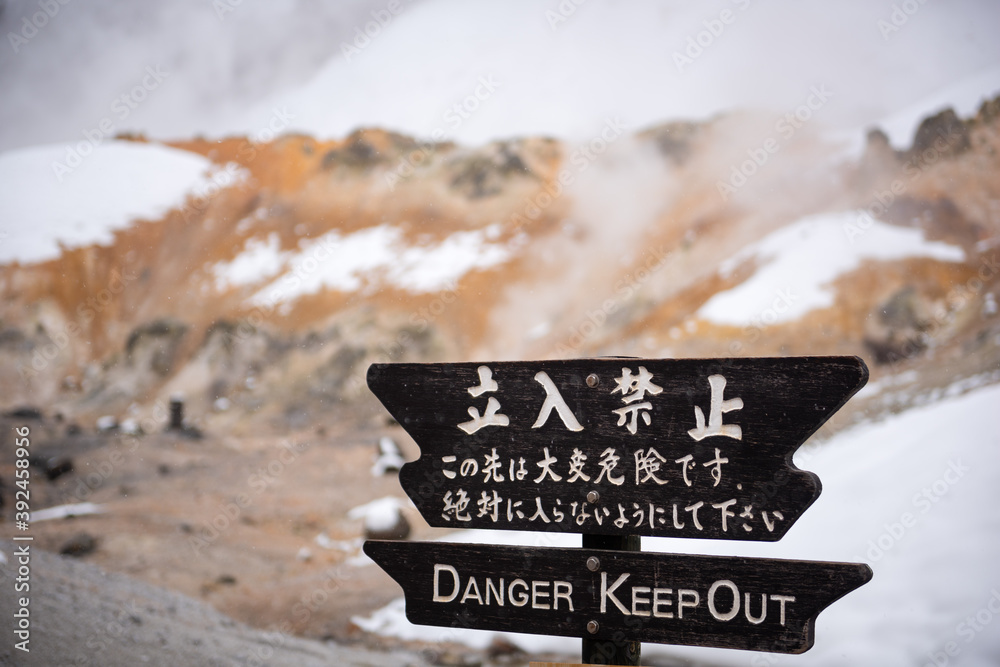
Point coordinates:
[[728, 602]]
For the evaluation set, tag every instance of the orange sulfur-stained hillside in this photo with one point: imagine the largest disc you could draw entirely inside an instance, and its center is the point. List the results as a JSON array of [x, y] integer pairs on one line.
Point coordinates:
[[265, 295]]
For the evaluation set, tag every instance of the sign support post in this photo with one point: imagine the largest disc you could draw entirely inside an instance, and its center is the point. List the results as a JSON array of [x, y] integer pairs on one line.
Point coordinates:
[[612, 652]]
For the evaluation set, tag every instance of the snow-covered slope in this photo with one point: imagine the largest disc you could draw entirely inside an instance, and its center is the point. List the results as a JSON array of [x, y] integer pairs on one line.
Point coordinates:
[[912, 497], [798, 262], [53, 196]]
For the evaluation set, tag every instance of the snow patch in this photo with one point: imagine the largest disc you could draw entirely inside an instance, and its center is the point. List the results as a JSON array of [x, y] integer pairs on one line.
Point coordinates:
[[117, 183], [66, 511], [797, 263], [378, 515], [259, 261], [373, 256]]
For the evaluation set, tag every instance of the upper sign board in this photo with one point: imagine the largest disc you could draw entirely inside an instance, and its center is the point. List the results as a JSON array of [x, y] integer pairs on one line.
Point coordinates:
[[698, 448]]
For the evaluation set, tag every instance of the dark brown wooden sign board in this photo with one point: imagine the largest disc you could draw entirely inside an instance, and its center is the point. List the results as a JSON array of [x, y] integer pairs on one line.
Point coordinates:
[[614, 448], [730, 602], [698, 448]]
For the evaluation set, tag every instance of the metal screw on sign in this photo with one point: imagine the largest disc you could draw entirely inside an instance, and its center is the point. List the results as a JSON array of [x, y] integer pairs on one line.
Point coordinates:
[[593, 564], [593, 380], [593, 627]]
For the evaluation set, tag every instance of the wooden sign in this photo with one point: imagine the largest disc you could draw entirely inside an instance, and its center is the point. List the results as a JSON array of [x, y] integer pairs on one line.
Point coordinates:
[[697, 448], [759, 604]]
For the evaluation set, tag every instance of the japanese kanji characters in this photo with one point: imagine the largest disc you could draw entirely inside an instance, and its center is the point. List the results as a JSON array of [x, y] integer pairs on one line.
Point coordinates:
[[649, 467], [635, 389], [492, 416], [647, 464], [498, 485], [717, 407], [554, 401]]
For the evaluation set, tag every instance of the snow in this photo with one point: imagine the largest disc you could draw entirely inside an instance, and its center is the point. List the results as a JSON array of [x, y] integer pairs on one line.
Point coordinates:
[[557, 77], [376, 256], [66, 511], [259, 260], [797, 263], [115, 183], [913, 495], [389, 457], [380, 514]]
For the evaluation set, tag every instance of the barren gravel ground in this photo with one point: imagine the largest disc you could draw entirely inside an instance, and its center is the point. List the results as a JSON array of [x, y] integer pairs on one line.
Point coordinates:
[[82, 615]]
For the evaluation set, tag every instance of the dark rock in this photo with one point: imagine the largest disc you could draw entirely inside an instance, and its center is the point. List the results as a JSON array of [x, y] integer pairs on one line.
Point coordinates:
[[945, 133], [52, 467], [502, 648], [57, 466], [80, 544], [156, 344], [485, 173], [902, 310], [893, 349], [24, 412], [674, 139]]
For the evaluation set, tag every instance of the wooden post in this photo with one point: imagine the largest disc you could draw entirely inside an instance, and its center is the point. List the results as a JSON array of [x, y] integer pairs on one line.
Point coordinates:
[[176, 413], [602, 652]]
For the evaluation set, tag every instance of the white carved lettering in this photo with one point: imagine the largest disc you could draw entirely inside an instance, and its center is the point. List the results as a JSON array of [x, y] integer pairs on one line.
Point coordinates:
[[637, 599], [438, 569], [521, 599], [692, 603], [554, 401], [659, 602], [537, 593], [735, 609], [717, 407], [782, 599], [609, 593]]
